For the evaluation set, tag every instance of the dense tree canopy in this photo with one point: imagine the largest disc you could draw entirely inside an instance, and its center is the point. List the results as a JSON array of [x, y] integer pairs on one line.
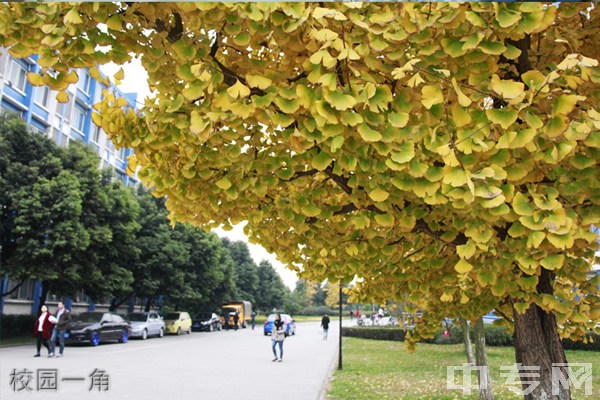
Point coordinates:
[[73, 226], [449, 151]]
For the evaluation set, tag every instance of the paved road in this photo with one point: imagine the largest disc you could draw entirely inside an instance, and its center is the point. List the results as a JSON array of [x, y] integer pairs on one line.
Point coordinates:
[[217, 365]]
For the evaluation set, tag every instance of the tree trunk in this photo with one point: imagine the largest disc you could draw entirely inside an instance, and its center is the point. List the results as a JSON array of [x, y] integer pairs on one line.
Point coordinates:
[[114, 303], [485, 381], [538, 346], [148, 304], [467, 341]]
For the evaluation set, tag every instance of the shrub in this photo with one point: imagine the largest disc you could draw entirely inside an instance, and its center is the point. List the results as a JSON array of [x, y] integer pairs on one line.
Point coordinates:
[[593, 343], [16, 325], [376, 333], [495, 336], [318, 310]]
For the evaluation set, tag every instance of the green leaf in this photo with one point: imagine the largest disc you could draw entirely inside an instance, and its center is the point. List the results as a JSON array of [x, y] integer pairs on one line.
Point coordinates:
[[398, 120], [521, 205], [337, 143], [184, 51], [405, 153], [321, 161], [287, 106], [493, 48], [553, 262], [368, 134], [534, 79], [339, 100], [194, 91], [564, 104], [311, 210], [242, 39], [502, 116], [176, 104], [386, 220]]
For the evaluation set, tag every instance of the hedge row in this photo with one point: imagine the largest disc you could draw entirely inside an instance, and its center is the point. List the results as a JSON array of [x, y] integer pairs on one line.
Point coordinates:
[[494, 336], [319, 311], [16, 325], [376, 333]]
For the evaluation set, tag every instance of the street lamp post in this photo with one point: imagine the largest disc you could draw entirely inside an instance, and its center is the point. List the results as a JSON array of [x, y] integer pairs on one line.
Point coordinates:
[[340, 338]]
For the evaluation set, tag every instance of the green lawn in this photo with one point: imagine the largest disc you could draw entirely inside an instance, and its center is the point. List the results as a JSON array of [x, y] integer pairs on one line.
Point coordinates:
[[386, 370]]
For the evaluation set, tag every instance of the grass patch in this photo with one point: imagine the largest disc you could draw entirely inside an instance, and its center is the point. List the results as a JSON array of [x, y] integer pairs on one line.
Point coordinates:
[[386, 370]]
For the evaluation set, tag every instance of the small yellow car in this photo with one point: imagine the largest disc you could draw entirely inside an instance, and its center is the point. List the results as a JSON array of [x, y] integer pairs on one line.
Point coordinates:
[[178, 322]]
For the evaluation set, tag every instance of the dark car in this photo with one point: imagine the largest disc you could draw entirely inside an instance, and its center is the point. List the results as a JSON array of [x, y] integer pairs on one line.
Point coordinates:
[[206, 322], [94, 327]]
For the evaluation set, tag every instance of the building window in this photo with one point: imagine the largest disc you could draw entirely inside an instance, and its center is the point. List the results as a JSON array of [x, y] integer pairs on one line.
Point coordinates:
[[85, 83], [42, 95], [39, 130], [24, 292], [17, 75], [63, 110], [78, 119], [4, 110], [95, 136], [121, 154], [60, 138]]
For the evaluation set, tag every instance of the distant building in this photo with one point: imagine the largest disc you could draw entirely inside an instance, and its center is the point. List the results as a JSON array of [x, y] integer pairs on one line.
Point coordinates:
[[63, 123]]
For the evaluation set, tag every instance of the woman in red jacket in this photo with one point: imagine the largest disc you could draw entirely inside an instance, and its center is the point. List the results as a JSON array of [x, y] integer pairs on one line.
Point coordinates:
[[42, 329]]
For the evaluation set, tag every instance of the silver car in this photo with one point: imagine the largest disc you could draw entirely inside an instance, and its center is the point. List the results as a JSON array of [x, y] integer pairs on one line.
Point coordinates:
[[144, 324]]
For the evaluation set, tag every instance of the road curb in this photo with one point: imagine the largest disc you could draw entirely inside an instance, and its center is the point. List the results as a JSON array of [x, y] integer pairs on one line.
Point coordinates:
[[327, 381]]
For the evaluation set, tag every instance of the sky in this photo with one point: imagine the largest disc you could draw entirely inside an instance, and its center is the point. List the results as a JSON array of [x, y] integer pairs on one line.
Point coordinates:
[[136, 81]]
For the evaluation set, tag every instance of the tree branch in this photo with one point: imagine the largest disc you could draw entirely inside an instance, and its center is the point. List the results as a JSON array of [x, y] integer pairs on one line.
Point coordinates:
[[14, 289]]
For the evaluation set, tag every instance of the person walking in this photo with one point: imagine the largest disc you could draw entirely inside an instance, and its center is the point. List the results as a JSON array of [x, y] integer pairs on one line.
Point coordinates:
[[253, 319], [325, 325], [63, 317], [42, 329], [226, 321], [277, 337], [351, 315], [236, 320]]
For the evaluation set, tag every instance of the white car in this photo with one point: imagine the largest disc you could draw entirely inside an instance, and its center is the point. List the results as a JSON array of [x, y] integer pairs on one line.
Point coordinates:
[[145, 324]]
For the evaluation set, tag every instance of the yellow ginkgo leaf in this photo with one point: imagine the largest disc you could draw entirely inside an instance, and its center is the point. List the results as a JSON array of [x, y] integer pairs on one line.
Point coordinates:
[[431, 95], [119, 75], [378, 195], [223, 183], [238, 90], [258, 81], [62, 97], [508, 89], [72, 17]]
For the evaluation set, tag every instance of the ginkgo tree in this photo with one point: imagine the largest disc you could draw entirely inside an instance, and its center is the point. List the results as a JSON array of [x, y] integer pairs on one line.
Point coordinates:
[[445, 151]]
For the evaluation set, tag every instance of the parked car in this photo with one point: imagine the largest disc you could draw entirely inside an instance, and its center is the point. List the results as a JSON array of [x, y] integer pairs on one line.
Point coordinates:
[[95, 327], [144, 324], [289, 323], [206, 322], [178, 322]]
